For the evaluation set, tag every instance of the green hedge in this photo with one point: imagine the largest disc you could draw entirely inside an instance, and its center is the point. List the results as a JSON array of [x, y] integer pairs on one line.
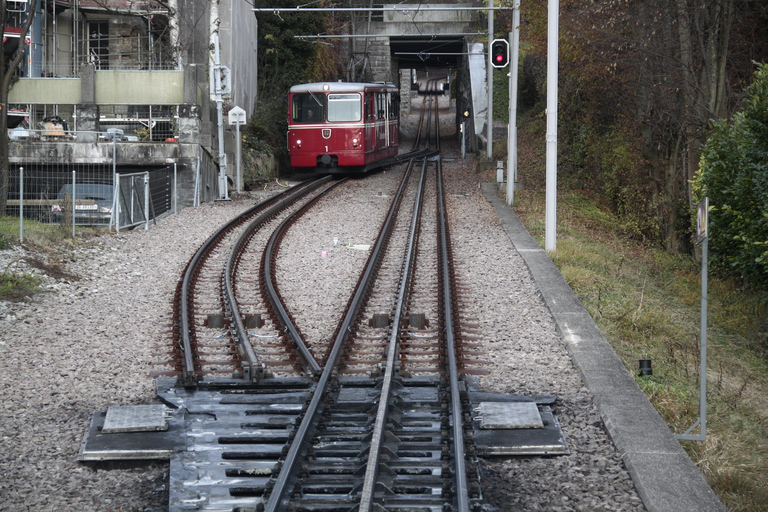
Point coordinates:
[[734, 174]]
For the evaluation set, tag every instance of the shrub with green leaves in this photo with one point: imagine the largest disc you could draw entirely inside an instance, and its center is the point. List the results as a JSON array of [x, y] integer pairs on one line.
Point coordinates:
[[734, 175]]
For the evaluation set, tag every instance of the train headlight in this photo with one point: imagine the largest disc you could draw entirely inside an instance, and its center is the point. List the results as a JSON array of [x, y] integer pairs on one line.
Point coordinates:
[[298, 143], [354, 143]]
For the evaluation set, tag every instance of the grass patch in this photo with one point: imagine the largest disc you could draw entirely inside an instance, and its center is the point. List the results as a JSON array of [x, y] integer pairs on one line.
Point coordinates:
[[17, 288], [48, 242], [647, 303]]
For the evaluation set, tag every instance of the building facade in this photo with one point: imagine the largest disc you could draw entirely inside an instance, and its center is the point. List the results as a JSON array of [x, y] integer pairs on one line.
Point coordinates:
[[129, 81]]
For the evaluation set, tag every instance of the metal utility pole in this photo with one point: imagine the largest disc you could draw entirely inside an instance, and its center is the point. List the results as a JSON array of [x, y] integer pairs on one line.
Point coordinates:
[[220, 87], [489, 134], [550, 233], [514, 44]]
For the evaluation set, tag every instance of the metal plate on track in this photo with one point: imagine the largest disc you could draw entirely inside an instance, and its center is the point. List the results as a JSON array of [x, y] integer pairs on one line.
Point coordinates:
[[496, 415], [143, 445], [492, 437], [135, 418], [548, 440]]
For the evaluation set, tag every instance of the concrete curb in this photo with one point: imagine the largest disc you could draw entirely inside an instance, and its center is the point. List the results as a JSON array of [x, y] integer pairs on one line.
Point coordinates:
[[664, 476]]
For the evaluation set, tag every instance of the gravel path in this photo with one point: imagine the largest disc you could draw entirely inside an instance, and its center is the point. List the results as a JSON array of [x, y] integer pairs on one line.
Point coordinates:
[[89, 343]]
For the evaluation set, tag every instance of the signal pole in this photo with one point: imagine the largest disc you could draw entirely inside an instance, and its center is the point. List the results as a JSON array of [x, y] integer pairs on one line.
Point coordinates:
[[514, 43], [550, 231], [489, 134], [218, 91]]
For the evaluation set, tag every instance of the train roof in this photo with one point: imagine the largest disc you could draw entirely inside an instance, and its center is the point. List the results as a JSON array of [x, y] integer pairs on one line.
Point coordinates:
[[342, 87]]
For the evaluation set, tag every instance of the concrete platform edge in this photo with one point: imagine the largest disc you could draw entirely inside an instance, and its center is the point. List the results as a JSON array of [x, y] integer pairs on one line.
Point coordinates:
[[663, 474]]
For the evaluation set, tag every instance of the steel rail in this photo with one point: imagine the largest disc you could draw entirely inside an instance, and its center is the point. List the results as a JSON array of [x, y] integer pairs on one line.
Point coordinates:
[[374, 454], [251, 363], [285, 319], [286, 478], [462, 488], [419, 127], [189, 373]]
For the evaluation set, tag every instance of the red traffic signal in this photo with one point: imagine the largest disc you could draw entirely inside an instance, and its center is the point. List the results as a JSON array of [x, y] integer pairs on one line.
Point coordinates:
[[499, 53]]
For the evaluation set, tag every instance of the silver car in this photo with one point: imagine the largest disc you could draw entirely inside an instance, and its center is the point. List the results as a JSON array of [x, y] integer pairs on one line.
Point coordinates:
[[93, 203]]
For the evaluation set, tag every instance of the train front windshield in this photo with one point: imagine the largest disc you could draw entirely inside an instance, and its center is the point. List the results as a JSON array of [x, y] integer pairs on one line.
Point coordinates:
[[344, 108], [335, 108], [308, 108]]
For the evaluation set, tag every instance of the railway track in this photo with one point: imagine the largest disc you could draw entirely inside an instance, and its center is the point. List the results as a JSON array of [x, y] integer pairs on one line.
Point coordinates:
[[315, 443], [377, 418]]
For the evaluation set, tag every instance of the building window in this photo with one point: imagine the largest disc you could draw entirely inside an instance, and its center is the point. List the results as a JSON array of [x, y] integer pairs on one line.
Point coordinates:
[[98, 44]]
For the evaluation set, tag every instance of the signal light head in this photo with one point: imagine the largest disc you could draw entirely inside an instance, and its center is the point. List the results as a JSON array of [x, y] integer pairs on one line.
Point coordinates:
[[499, 53]]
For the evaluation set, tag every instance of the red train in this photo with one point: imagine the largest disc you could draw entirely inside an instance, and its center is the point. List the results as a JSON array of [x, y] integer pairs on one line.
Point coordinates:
[[336, 127]]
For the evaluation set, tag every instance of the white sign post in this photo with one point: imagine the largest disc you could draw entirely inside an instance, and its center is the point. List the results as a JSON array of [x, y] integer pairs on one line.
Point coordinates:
[[702, 237], [236, 118]]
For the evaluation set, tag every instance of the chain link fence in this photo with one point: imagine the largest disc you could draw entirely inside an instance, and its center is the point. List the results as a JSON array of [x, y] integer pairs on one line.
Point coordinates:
[[71, 199]]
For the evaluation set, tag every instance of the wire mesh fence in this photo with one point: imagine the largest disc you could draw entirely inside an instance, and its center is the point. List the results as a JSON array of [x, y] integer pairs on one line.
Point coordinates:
[[69, 199]]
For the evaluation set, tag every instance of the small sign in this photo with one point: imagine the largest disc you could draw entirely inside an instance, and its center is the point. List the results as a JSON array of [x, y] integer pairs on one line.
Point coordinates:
[[236, 116], [702, 221]]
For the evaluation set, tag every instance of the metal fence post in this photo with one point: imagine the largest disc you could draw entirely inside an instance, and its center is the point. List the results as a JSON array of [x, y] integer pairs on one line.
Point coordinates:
[[114, 187], [146, 201], [116, 209], [195, 200], [21, 205], [74, 201], [175, 197]]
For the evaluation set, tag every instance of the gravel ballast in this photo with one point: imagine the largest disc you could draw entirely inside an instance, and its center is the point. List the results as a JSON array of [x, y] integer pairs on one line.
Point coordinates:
[[89, 343]]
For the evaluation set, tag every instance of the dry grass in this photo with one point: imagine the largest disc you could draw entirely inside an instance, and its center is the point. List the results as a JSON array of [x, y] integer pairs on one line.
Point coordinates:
[[647, 303]]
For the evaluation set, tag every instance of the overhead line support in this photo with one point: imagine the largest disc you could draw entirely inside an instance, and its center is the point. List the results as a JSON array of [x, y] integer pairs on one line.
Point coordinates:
[[374, 9]]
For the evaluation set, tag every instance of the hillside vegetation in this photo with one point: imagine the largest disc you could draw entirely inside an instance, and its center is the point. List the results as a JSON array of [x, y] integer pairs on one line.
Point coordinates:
[[646, 301], [642, 84]]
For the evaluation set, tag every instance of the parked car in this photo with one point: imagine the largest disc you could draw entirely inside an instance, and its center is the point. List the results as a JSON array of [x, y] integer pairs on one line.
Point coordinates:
[[93, 203]]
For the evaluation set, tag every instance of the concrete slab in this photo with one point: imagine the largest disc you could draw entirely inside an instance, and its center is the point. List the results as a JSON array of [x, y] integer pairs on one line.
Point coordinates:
[[664, 475]]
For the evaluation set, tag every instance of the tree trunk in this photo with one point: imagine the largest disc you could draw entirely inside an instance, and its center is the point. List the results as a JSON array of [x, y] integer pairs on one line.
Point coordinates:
[[704, 30], [7, 70], [4, 167]]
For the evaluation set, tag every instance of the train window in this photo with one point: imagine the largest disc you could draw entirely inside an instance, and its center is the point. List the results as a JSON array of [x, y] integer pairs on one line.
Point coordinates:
[[308, 108], [392, 105], [369, 106], [344, 107], [381, 104]]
